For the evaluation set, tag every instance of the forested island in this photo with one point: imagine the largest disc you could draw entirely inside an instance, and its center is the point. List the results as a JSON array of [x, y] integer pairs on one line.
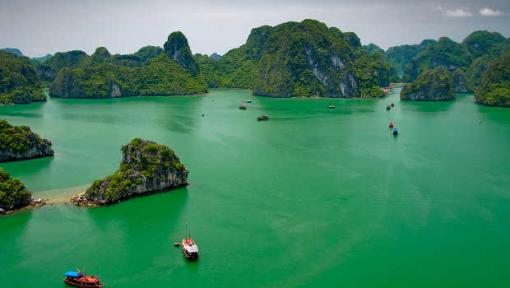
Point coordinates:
[[300, 59], [19, 143], [432, 85], [13, 194], [467, 62], [146, 168]]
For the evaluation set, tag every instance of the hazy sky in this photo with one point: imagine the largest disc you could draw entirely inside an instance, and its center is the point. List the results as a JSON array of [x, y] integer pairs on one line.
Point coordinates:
[[38, 27]]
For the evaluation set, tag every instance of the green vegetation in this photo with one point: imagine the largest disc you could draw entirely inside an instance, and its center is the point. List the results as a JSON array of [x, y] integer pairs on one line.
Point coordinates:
[[147, 72], [400, 56], [300, 59], [13, 193], [432, 85], [146, 167], [19, 142], [19, 83], [177, 48], [494, 89], [467, 60]]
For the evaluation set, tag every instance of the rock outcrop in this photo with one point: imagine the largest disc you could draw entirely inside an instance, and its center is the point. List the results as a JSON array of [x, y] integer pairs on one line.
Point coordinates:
[[13, 194], [146, 168], [459, 78], [19, 142], [177, 48], [431, 85]]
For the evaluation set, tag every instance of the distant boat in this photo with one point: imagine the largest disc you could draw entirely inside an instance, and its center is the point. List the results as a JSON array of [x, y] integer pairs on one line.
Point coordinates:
[[247, 101], [394, 131], [242, 107], [392, 104], [391, 124], [78, 279], [189, 247], [386, 90], [263, 118], [331, 106], [388, 107]]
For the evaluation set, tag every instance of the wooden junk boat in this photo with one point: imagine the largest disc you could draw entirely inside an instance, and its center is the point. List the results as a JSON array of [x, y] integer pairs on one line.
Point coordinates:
[[189, 247], [78, 279]]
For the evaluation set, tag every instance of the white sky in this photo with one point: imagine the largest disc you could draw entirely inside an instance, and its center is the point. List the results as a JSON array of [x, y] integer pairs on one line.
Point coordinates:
[[124, 26]]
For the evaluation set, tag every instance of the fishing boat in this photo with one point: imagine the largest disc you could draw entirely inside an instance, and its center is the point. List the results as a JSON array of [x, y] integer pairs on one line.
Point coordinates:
[[262, 118], [78, 279], [391, 125], [189, 247]]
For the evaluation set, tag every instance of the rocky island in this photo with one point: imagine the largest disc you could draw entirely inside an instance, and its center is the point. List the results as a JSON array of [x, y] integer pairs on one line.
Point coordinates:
[[19, 83], [13, 194], [19, 143], [301, 59], [146, 168], [431, 85], [494, 88]]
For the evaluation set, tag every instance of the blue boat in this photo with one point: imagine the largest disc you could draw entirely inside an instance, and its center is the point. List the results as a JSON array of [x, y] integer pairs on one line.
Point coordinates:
[[394, 131]]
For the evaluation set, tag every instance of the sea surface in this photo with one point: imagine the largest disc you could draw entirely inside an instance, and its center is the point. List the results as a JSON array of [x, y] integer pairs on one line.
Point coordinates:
[[314, 197]]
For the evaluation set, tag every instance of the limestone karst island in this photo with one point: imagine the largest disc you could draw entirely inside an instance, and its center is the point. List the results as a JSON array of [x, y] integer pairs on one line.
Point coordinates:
[[254, 144]]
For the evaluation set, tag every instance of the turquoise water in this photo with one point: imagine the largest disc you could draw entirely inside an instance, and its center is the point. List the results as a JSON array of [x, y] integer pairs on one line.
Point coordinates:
[[311, 198]]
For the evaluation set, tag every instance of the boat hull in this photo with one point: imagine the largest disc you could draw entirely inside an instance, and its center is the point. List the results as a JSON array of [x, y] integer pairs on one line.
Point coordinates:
[[76, 283]]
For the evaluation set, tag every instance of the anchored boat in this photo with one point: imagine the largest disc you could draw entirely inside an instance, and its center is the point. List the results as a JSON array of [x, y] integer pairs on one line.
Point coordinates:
[[78, 279], [189, 247]]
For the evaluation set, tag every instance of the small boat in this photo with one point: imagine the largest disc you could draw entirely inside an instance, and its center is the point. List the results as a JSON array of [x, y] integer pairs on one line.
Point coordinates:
[[392, 104], [386, 90], [394, 131], [331, 106], [242, 107], [391, 124], [263, 118], [388, 107], [78, 279], [247, 101], [189, 247]]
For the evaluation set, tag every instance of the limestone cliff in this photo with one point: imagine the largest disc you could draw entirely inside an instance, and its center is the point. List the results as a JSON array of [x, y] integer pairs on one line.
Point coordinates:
[[19, 142], [431, 85], [146, 167]]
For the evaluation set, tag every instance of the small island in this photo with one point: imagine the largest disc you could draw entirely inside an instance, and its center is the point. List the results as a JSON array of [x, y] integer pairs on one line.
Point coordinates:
[[432, 85], [13, 194], [146, 168], [494, 88], [19, 143]]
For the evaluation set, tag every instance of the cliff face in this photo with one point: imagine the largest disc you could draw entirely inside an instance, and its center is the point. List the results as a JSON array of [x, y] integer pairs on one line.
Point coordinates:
[[431, 85], [459, 78], [300, 59], [177, 48], [146, 168], [18, 143], [13, 194]]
